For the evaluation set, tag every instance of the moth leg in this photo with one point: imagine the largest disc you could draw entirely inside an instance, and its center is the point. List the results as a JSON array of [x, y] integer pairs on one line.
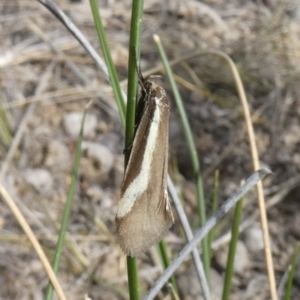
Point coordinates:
[[164, 199], [163, 203], [128, 149]]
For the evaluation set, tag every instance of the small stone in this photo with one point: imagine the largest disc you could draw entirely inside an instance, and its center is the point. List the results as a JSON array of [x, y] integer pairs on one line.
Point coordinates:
[[95, 193], [106, 202], [72, 124], [221, 257], [40, 179], [190, 288], [257, 284], [241, 260], [217, 283], [113, 142], [205, 143], [97, 161], [254, 239], [98, 195], [102, 153], [58, 155], [118, 170], [189, 285]]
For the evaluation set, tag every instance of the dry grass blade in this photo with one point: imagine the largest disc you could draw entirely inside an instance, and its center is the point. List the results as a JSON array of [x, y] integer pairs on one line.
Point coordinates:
[[18, 136], [75, 31], [73, 67], [255, 160], [36, 245], [17, 213], [16, 141]]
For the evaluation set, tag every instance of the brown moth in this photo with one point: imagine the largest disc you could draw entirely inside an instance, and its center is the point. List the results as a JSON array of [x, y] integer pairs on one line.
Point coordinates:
[[144, 213]]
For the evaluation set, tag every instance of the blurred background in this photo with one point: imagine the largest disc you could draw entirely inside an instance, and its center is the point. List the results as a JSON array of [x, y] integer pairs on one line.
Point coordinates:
[[46, 79]]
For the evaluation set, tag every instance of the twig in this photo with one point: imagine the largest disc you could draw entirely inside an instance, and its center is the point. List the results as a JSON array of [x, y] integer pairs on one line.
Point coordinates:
[[250, 182], [70, 64], [63, 18], [188, 232]]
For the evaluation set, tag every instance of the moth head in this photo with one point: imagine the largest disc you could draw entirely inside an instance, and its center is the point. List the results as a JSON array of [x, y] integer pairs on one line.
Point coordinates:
[[147, 83]]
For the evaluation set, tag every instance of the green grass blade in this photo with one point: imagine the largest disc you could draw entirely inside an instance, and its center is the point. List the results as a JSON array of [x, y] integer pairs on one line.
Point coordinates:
[[192, 150], [108, 60], [232, 249], [211, 234], [5, 136], [67, 211], [135, 29], [166, 262], [134, 53], [292, 269], [133, 282]]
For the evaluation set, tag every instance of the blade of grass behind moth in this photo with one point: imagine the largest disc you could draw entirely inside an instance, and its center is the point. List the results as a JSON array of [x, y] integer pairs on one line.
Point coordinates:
[[192, 150], [68, 206], [134, 58], [213, 210], [202, 232], [166, 262], [134, 55], [114, 80], [291, 275], [232, 249]]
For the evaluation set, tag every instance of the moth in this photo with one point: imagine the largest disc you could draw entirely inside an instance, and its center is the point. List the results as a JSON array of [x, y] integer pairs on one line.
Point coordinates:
[[144, 212]]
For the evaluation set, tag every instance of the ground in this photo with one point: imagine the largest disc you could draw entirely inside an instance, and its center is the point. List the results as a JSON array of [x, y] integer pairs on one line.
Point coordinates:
[[46, 80]]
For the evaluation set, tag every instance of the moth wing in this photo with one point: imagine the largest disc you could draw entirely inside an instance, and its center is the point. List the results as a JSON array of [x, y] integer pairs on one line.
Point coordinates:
[[164, 205], [150, 215]]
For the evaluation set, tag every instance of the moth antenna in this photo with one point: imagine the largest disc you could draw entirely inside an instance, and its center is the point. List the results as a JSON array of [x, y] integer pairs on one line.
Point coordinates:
[[141, 79]]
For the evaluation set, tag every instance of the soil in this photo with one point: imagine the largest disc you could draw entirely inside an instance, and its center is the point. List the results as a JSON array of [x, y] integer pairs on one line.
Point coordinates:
[[47, 79]]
